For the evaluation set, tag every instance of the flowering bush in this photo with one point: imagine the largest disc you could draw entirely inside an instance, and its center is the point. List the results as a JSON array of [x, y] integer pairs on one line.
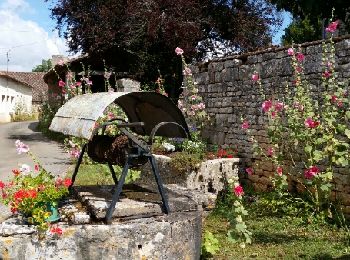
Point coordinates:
[[308, 129], [32, 193]]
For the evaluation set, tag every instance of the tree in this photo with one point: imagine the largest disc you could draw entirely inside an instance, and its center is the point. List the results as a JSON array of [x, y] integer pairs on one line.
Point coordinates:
[[300, 31], [144, 33], [45, 66], [308, 17]]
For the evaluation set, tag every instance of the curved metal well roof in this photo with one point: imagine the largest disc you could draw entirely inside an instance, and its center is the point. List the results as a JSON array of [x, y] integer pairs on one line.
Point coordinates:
[[77, 117]]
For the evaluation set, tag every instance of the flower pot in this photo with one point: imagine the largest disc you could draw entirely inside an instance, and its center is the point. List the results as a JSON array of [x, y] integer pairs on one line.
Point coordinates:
[[53, 209]]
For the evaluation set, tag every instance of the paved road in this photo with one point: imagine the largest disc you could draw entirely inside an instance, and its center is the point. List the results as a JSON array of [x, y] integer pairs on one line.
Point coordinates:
[[49, 153]]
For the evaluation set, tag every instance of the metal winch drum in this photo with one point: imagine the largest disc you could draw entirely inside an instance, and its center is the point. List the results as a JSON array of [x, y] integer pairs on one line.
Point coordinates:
[[149, 114]]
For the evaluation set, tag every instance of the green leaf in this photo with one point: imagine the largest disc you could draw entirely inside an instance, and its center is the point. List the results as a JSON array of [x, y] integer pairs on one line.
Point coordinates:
[[308, 149], [318, 156], [347, 133], [347, 114], [342, 161]]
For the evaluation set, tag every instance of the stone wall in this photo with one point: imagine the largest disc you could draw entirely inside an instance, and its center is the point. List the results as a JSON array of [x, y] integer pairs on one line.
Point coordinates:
[[229, 94]]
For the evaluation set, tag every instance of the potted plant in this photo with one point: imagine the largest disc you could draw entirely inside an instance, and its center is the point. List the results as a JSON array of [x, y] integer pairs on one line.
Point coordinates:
[[34, 193]]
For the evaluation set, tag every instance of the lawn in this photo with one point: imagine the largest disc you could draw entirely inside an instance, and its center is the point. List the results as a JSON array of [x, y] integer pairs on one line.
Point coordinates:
[[280, 237]]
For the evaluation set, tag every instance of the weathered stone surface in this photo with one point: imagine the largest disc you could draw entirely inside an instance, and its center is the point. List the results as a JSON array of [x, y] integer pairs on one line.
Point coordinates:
[[209, 180], [174, 236], [135, 201], [142, 235]]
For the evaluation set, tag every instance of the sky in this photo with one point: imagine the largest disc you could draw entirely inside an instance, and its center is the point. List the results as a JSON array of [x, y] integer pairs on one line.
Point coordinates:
[[28, 35]]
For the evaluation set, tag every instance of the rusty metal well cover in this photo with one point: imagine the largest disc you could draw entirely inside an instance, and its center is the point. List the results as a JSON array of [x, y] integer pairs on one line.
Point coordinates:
[[78, 116]]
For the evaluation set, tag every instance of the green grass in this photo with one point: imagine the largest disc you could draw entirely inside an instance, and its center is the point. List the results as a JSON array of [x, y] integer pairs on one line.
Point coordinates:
[[280, 238], [99, 174]]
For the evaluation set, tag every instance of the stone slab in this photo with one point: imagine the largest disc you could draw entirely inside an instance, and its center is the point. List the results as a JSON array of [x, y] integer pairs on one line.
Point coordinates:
[[135, 201]]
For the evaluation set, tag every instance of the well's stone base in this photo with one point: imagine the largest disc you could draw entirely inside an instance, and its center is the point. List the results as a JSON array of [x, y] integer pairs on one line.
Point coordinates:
[[139, 229], [173, 236]]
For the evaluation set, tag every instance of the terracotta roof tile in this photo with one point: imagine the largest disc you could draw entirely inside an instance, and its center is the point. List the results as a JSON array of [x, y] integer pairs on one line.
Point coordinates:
[[33, 80]]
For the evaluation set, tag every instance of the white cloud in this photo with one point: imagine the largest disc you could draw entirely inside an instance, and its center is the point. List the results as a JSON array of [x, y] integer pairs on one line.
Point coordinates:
[[25, 41]]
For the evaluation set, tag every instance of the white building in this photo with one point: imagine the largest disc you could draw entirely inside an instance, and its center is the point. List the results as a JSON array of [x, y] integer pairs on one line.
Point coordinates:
[[19, 91]]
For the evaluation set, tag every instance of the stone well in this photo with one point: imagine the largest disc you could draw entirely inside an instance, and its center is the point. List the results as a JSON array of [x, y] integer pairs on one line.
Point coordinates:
[[139, 229]]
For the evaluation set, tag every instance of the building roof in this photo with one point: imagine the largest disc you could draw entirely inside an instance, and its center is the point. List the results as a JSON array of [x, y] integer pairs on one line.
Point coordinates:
[[34, 80]]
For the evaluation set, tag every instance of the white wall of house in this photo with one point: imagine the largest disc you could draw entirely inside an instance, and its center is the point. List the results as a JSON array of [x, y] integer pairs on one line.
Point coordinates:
[[13, 95]]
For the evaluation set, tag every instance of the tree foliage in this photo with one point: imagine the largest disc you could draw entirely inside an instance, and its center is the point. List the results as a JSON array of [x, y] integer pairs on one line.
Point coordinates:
[[45, 66], [145, 33], [308, 16]]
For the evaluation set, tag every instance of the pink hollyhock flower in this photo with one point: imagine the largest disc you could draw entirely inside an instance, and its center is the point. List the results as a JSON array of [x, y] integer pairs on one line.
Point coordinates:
[[255, 77], [187, 71], [61, 83], [309, 123], [279, 170], [60, 62], [340, 103], [298, 106], [179, 51], [2, 185], [299, 69], [238, 190], [332, 27], [279, 106], [21, 147], [78, 83], [245, 124], [36, 167], [334, 98], [266, 105], [311, 172], [300, 57], [74, 153], [290, 51], [273, 114], [270, 152], [326, 74], [249, 170]]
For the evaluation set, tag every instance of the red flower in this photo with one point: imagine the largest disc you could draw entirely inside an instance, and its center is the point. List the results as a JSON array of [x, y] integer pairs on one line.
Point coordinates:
[[16, 172], [270, 152], [249, 170], [245, 124], [61, 84], [266, 105], [238, 190], [36, 167], [300, 56], [2, 185], [222, 153], [279, 170], [59, 182], [255, 77], [32, 194], [326, 74], [56, 230], [67, 182], [311, 172], [229, 156], [332, 27], [309, 123]]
